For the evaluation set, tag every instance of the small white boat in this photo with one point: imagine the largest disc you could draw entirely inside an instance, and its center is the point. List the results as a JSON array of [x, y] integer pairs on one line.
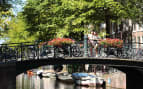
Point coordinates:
[[65, 77], [86, 79], [99, 81], [49, 74], [39, 71]]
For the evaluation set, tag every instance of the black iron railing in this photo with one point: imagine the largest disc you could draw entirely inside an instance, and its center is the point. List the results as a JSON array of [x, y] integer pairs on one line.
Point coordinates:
[[27, 51]]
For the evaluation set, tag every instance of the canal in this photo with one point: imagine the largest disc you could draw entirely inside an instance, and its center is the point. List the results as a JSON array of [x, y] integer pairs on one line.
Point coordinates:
[[24, 81], [114, 80]]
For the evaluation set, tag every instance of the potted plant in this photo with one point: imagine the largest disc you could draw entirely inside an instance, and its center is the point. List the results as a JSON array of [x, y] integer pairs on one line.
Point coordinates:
[[108, 42], [61, 42], [111, 45]]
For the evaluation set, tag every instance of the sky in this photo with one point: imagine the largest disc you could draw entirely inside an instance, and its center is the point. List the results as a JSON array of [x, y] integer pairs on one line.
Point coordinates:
[[18, 7], [1, 41]]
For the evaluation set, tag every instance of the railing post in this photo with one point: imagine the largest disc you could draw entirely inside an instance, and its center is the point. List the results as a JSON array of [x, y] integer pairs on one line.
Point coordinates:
[[5, 52], [54, 52], [21, 46], [69, 49], [85, 46], [37, 49]]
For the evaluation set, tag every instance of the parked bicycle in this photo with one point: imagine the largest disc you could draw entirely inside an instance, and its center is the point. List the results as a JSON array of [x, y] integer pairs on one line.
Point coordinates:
[[72, 50]]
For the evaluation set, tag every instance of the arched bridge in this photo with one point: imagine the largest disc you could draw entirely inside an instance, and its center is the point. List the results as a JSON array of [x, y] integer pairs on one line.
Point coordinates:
[[133, 69], [22, 66], [27, 56]]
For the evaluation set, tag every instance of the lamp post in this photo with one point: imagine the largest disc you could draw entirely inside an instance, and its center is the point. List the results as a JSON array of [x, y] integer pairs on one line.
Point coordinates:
[[85, 45], [85, 42]]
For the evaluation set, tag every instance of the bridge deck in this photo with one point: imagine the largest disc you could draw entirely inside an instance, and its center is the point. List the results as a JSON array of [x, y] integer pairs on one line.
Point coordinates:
[[103, 58]]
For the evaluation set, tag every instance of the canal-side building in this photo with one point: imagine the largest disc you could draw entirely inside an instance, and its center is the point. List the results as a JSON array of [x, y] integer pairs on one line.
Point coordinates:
[[137, 34], [128, 31]]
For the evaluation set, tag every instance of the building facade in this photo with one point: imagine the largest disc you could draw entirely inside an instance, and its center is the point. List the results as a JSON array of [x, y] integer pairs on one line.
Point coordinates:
[[137, 34]]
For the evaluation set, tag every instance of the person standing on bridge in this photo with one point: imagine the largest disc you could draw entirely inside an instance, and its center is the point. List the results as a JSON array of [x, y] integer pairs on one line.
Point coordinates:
[[93, 39]]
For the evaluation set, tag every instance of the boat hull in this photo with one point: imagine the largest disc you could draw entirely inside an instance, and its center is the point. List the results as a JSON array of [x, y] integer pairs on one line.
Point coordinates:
[[87, 80], [65, 78]]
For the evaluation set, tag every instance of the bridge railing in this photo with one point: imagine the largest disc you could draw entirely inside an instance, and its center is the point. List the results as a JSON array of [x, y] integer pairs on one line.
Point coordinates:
[[132, 51], [27, 51], [18, 51]]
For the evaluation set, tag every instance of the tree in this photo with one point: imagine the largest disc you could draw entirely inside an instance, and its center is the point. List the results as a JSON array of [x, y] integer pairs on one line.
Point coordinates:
[[4, 20], [5, 13], [9, 23], [134, 13], [17, 31], [4, 5], [58, 18]]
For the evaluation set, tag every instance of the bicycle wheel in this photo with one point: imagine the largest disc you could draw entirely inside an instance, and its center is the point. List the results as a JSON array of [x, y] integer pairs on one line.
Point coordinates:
[[118, 52], [58, 52], [76, 52], [127, 53], [101, 52], [134, 53]]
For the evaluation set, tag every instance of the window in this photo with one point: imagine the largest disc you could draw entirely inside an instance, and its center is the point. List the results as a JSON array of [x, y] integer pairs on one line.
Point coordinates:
[[138, 41], [134, 42], [142, 42], [142, 39], [141, 28], [137, 27], [134, 27], [134, 39]]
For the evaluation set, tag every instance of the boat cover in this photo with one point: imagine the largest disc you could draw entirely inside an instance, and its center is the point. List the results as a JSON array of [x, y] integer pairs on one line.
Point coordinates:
[[80, 74]]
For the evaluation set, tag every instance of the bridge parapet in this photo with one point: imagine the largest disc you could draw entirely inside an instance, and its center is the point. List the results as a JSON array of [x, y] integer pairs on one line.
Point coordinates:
[[27, 51]]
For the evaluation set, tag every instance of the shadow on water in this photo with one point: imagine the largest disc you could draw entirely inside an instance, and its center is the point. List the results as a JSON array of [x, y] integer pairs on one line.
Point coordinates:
[[7, 80]]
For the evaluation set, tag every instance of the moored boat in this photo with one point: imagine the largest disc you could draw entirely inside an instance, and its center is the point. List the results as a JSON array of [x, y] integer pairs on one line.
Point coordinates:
[[99, 81], [39, 71], [87, 79], [47, 74], [64, 77], [29, 72]]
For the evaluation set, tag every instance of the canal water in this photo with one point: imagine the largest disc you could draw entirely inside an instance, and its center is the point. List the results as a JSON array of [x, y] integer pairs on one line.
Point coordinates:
[[24, 81], [7, 80]]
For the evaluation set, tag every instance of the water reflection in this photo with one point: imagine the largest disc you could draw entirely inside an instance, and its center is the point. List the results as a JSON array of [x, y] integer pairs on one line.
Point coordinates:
[[61, 85], [84, 87], [24, 81]]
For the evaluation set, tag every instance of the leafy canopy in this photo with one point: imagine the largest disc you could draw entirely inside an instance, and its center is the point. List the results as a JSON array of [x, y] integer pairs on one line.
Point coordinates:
[[17, 32], [58, 18]]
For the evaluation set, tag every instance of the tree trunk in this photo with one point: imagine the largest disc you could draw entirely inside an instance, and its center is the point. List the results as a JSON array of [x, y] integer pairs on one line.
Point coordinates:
[[131, 33], [108, 31], [121, 29], [116, 30]]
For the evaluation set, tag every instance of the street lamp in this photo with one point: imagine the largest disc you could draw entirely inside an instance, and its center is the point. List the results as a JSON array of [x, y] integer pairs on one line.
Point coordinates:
[[90, 27], [85, 43]]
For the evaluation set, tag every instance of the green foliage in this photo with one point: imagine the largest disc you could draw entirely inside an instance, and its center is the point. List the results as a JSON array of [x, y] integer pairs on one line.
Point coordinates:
[[58, 18], [5, 13], [4, 5], [4, 21], [17, 32]]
